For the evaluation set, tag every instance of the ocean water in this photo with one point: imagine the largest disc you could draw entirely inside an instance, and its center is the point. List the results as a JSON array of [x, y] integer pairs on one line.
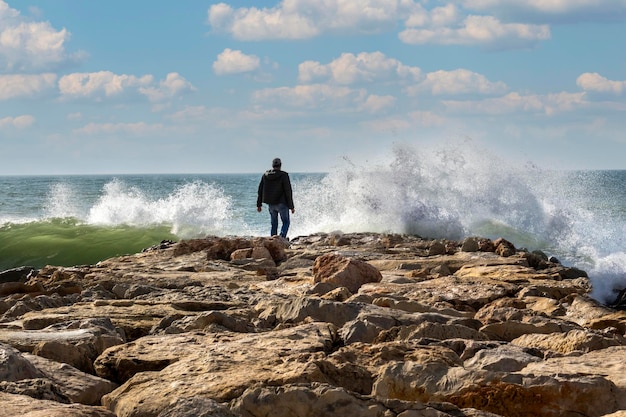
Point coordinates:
[[453, 192]]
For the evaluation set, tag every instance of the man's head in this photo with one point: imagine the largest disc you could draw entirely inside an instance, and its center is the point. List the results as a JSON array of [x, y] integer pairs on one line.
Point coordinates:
[[276, 163]]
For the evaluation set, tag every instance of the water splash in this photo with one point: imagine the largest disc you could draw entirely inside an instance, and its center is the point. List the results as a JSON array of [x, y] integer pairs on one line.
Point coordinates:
[[194, 209], [460, 189]]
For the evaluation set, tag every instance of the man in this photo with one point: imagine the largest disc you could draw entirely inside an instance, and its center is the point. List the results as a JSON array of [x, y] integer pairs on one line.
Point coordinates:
[[275, 191]]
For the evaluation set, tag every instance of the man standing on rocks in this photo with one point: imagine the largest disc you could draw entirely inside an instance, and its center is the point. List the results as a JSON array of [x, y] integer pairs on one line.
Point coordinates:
[[275, 191]]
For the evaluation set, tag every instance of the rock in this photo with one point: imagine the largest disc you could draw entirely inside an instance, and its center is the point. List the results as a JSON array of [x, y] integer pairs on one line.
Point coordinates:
[[20, 274], [470, 244], [305, 401], [504, 248], [344, 272], [569, 342], [14, 367], [21, 405], [240, 254], [609, 362], [241, 362], [77, 386], [436, 248], [88, 337], [39, 389], [196, 407], [501, 359], [327, 324]]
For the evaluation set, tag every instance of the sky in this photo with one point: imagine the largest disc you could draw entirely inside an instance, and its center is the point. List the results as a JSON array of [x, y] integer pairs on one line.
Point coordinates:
[[155, 86]]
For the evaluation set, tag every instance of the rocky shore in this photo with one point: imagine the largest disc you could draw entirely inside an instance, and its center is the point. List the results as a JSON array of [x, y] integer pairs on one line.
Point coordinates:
[[325, 325]]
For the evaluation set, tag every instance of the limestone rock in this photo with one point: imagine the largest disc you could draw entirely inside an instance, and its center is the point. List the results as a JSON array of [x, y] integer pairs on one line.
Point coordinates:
[[328, 324], [79, 387], [609, 362], [240, 362], [20, 405], [344, 272], [568, 342], [14, 367]]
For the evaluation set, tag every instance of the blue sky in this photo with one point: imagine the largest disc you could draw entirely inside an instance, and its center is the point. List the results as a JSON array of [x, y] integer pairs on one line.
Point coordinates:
[[91, 87]]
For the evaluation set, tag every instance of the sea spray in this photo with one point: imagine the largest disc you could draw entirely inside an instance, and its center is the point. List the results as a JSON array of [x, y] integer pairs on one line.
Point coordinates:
[[431, 192], [192, 210], [462, 190]]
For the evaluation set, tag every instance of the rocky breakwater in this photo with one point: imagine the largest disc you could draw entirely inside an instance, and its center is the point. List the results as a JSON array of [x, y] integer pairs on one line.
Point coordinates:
[[329, 325]]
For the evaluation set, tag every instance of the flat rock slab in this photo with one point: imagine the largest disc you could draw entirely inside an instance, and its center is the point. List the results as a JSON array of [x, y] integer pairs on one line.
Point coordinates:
[[226, 369], [21, 405]]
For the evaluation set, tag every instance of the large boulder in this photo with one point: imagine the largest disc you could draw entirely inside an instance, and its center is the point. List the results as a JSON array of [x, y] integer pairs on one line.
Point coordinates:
[[344, 272]]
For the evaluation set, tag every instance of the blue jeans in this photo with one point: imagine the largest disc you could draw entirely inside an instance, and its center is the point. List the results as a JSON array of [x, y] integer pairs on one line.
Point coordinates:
[[282, 210]]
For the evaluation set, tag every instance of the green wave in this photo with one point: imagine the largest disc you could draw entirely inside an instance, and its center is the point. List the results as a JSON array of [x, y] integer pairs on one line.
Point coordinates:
[[67, 242]]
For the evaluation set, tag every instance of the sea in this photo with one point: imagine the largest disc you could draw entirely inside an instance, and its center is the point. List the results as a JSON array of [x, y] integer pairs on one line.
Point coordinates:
[[579, 217]]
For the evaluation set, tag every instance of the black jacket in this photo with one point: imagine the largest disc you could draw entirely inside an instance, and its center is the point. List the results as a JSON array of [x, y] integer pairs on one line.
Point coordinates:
[[275, 188]]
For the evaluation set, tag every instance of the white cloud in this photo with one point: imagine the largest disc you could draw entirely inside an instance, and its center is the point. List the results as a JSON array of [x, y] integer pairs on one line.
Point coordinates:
[[479, 30], [15, 86], [438, 17], [30, 46], [303, 19], [376, 104], [235, 62], [101, 84], [364, 67], [447, 24], [138, 129], [514, 103], [398, 124], [19, 122], [75, 116], [597, 83], [173, 85], [254, 24], [312, 96], [552, 10], [460, 81]]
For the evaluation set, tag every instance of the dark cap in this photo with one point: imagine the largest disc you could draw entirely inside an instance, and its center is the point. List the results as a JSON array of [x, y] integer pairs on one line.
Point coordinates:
[[276, 163]]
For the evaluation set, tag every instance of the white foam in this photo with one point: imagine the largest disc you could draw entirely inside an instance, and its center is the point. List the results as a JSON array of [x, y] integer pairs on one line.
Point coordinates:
[[193, 209], [459, 190]]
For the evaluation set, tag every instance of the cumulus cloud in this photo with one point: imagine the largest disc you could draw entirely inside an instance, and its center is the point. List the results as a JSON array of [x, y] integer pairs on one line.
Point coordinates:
[[303, 19], [173, 85], [19, 122], [447, 24], [551, 10], [235, 62], [364, 67], [479, 30], [30, 46], [16, 86], [514, 103], [460, 81], [312, 96], [252, 24], [100, 84], [376, 104], [597, 83]]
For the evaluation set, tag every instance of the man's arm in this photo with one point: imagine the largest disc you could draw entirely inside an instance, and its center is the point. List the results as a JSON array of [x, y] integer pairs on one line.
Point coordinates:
[[288, 193], [259, 198]]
